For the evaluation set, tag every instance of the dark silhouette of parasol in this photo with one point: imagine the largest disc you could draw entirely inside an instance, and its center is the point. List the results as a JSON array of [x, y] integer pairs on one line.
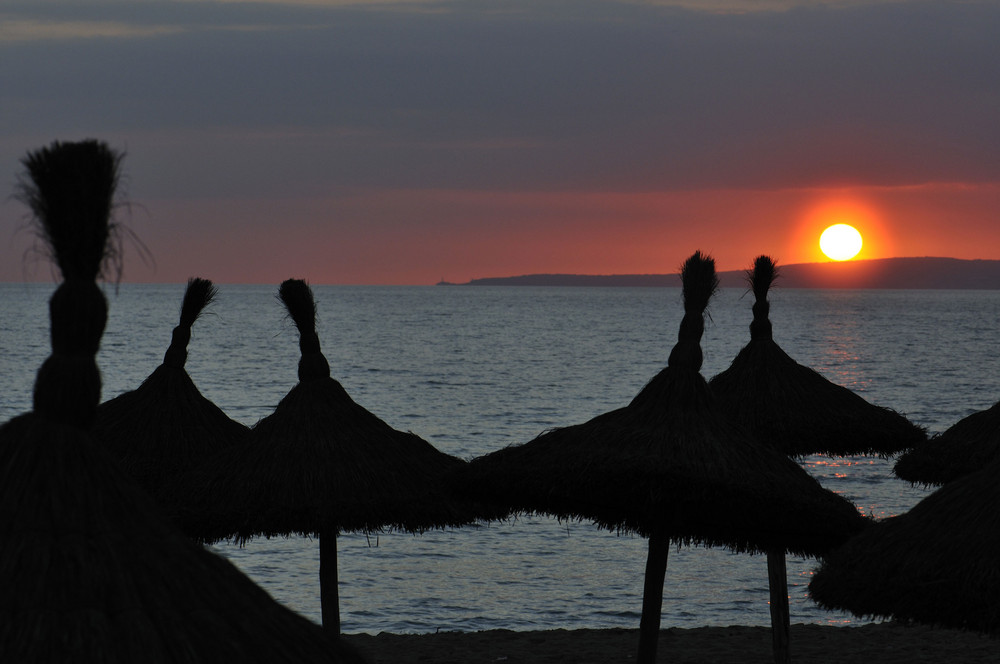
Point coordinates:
[[89, 571], [320, 465], [936, 564], [966, 446], [794, 408], [166, 426], [670, 467], [798, 412]]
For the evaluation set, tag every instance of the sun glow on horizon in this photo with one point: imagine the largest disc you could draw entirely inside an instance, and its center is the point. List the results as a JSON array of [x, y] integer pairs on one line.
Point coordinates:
[[833, 208], [841, 242]]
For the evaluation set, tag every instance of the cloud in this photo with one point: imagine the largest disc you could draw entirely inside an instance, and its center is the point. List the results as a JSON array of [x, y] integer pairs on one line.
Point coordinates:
[[13, 31], [291, 98]]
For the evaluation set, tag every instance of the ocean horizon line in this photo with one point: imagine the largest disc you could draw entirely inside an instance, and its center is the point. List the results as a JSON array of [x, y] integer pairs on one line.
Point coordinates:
[[896, 273], [900, 273]]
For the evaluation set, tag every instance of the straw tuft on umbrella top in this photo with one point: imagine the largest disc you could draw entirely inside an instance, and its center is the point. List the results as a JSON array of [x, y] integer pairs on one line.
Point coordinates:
[[966, 446], [89, 572], [70, 190], [699, 284], [166, 426], [794, 408], [761, 277], [297, 297], [199, 294]]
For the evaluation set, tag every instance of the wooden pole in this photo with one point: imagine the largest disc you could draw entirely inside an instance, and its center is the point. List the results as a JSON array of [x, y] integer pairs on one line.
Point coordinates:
[[652, 598], [329, 593], [777, 581]]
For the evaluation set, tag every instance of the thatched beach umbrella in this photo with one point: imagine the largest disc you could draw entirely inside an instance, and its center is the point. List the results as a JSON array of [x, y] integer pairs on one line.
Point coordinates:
[[966, 446], [935, 564], [320, 465], [89, 572], [794, 408], [166, 426], [670, 467], [798, 412]]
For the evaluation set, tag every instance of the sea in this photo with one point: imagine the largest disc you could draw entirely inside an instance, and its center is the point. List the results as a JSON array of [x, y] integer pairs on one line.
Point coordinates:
[[472, 369]]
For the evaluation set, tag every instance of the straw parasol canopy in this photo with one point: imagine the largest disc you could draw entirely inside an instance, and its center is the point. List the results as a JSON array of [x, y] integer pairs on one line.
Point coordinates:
[[798, 412], [794, 408], [89, 571], [670, 467], [166, 426], [936, 564], [966, 446], [320, 465]]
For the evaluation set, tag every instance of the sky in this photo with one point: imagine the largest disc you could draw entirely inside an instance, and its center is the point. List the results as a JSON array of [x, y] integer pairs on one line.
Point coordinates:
[[376, 142]]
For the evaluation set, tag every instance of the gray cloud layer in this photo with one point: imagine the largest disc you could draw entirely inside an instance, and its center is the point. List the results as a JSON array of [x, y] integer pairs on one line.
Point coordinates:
[[533, 95]]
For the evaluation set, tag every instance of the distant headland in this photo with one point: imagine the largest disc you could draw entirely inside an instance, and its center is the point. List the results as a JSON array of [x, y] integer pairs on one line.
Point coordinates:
[[887, 273]]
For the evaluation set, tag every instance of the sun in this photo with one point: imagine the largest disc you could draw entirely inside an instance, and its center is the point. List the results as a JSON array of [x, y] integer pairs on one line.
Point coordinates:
[[840, 242]]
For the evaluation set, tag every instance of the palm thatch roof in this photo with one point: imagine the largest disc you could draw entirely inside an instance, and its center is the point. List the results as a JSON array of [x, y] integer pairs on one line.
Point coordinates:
[[968, 445], [669, 462], [166, 426], [89, 572], [936, 564], [322, 462], [794, 408]]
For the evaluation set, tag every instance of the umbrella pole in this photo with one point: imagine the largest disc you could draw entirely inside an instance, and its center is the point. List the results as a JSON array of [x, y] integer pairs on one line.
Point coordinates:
[[329, 593], [652, 597], [777, 581]]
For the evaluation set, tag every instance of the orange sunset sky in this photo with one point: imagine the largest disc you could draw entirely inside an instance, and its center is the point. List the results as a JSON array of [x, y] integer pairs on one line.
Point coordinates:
[[375, 142]]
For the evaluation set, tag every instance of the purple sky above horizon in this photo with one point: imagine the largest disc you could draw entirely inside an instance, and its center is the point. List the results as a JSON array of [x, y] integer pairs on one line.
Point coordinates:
[[402, 143]]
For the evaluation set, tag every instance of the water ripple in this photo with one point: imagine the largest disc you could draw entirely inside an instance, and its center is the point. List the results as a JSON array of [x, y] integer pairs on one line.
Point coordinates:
[[473, 370]]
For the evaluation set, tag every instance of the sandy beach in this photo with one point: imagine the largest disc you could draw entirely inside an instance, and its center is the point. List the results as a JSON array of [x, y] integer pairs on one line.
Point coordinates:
[[883, 643]]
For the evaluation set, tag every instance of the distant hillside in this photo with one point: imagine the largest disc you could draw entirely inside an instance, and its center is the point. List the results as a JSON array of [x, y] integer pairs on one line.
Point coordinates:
[[897, 273]]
